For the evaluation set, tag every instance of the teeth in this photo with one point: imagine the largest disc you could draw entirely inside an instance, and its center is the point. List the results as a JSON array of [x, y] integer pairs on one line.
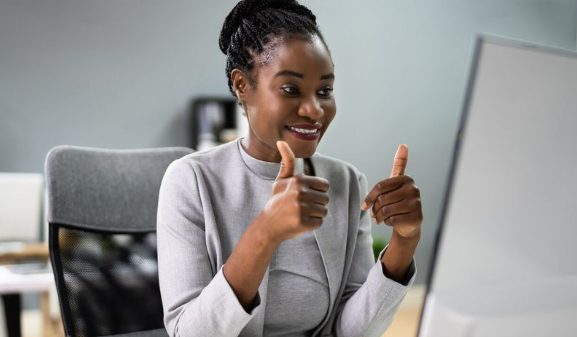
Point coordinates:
[[305, 131]]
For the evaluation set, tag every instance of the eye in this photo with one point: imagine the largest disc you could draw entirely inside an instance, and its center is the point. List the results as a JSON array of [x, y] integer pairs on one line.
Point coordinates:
[[290, 90], [325, 92]]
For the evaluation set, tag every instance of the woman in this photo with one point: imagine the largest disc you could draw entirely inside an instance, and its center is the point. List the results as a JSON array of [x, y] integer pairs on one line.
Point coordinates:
[[249, 247]]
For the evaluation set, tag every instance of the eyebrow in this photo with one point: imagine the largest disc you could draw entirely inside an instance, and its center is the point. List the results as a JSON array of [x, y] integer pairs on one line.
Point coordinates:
[[291, 73]]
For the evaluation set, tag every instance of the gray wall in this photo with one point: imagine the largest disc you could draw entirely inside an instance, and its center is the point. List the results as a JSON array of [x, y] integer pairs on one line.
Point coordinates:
[[121, 74]]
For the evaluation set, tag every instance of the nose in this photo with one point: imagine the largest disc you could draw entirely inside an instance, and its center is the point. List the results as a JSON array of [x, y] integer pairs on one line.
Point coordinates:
[[311, 108]]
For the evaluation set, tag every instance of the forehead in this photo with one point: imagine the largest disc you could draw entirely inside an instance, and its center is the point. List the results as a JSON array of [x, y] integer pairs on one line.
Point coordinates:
[[305, 55]]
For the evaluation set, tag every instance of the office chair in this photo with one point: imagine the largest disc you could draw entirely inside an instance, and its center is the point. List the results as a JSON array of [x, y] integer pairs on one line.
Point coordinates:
[[102, 238]]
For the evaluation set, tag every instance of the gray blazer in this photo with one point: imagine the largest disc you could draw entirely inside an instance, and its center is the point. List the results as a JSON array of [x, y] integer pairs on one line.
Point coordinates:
[[203, 210]]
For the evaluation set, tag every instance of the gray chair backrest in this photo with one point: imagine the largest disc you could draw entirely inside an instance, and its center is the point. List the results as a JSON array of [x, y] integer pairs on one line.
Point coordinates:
[[106, 189], [102, 215]]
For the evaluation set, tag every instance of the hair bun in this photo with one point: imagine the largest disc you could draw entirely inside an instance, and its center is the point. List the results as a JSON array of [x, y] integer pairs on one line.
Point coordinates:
[[246, 8]]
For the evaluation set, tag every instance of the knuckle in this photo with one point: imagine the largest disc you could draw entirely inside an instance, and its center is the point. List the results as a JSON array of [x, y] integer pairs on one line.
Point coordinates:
[[302, 219], [407, 186], [315, 223], [298, 208], [301, 192], [418, 218], [390, 220], [295, 190], [384, 211], [293, 181], [417, 203]]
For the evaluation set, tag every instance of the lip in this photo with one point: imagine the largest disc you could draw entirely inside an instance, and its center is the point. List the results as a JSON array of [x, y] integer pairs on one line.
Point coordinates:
[[305, 126]]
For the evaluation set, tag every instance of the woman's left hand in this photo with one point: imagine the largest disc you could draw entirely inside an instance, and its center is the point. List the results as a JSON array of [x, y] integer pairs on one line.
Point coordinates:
[[396, 201]]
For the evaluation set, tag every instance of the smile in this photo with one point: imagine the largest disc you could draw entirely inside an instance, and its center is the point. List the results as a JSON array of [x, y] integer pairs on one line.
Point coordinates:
[[305, 132]]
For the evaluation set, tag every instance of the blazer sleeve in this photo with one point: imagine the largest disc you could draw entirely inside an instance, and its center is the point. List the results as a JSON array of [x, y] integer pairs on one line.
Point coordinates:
[[197, 300], [370, 299]]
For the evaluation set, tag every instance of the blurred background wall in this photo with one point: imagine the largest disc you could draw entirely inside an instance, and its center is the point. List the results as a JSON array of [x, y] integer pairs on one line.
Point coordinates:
[[123, 73]]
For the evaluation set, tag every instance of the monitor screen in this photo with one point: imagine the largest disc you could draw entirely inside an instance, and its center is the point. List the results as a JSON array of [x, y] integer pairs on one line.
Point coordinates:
[[505, 262], [20, 208]]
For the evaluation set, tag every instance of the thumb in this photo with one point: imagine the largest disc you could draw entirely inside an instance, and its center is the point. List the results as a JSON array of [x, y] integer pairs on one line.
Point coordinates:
[[400, 161], [287, 165]]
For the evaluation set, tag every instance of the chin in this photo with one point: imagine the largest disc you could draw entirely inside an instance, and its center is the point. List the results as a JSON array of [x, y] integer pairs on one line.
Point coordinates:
[[304, 152], [302, 148]]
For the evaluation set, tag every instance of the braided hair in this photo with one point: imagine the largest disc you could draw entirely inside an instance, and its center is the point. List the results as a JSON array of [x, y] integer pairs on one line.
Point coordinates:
[[252, 25]]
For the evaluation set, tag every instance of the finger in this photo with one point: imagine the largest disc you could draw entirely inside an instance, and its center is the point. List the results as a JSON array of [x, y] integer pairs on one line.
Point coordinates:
[[312, 222], [398, 218], [316, 183], [400, 161], [399, 166], [315, 197], [392, 197], [313, 210], [407, 218], [287, 165], [406, 191], [396, 209], [382, 187]]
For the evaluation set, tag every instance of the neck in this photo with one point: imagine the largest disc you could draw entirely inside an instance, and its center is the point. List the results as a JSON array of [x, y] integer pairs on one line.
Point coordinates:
[[259, 150]]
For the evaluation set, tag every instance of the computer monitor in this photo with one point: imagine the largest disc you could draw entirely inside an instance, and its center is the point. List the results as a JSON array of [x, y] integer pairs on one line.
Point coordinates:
[[505, 260], [20, 208]]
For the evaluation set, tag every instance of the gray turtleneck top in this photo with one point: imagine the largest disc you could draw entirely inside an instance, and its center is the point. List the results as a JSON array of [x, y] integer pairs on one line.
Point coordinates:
[[295, 272], [324, 282]]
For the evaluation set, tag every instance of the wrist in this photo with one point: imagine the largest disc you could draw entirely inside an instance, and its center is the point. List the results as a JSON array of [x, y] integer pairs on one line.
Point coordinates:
[[411, 236], [263, 233], [397, 259]]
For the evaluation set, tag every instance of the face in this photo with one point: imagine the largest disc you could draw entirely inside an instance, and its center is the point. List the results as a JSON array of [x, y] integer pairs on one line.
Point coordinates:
[[292, 98]]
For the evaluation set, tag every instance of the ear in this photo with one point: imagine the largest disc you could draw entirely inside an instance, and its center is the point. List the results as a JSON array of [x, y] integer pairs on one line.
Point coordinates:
[[240, 84]]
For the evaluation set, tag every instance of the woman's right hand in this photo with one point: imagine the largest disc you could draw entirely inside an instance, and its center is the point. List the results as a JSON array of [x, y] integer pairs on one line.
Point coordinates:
[[298, 203]]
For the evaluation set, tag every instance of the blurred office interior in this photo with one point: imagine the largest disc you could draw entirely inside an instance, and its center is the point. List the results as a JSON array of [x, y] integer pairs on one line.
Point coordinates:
[[131, 74]]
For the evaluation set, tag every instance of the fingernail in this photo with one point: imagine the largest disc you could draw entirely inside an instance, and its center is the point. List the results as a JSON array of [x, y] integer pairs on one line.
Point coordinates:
[[364, 206]]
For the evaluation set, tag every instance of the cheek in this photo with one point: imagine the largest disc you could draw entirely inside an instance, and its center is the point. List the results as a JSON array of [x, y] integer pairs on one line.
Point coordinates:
[[278, 112], [266, 119], [330, 111]]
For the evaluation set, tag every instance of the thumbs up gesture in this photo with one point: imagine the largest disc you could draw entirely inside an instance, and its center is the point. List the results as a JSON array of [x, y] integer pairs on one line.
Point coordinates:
[[396, 201], [299, 202]]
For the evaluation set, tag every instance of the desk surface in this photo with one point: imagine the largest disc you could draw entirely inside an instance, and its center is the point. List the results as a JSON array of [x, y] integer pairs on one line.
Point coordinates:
[[16, 252], [17, 282], [25, 277]]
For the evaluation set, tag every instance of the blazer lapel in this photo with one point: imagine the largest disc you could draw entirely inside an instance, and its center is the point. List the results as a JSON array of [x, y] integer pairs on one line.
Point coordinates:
[[331, 237], [328, 242]]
